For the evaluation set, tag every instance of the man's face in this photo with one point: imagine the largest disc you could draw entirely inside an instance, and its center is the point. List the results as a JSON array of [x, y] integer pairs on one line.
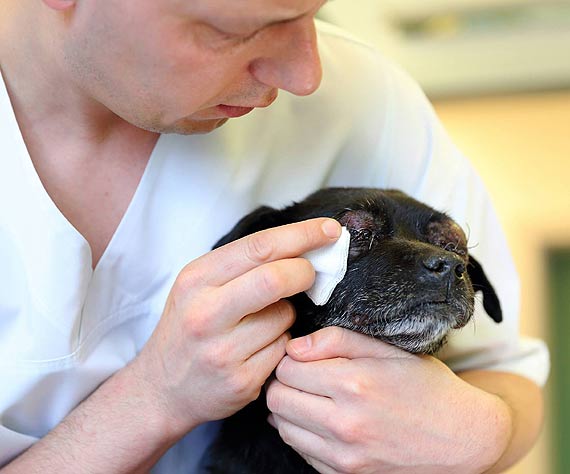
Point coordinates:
[[186, 66]]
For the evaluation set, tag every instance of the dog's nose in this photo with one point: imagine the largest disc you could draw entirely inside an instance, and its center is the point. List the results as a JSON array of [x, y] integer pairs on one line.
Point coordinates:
[[443, 266]]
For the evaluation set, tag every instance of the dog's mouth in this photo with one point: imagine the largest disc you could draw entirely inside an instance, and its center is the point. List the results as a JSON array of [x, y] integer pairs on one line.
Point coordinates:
[[408, 314], [418, 328], [454, 312]]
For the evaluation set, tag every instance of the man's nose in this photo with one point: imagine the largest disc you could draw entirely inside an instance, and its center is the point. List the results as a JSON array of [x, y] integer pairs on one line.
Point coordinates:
[[290, 59]]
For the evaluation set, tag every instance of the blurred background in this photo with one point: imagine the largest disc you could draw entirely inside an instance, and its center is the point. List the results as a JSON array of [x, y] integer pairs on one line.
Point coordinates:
[[498, 74]]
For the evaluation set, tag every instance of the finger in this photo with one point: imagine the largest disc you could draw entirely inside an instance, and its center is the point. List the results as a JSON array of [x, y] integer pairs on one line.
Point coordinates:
[[308, 411], [219, 310], [319, 466], [288, 241], [263, 362], [312, 447], [258, 289], [333, 342], [322, 377], [257, 330], [268, 284]]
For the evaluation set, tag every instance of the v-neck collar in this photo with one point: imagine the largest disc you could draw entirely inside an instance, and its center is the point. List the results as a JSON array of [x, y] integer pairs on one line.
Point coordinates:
[[57, 256], [179, 209]]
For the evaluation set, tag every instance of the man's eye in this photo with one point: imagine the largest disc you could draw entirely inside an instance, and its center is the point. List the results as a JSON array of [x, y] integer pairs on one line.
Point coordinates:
[[237, 38]]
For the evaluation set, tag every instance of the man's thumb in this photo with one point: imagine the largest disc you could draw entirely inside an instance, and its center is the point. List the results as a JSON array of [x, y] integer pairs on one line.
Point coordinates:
[[332, 342]]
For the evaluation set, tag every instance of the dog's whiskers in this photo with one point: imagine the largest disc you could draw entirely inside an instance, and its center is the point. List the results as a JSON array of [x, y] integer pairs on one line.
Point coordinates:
[[372, 237]]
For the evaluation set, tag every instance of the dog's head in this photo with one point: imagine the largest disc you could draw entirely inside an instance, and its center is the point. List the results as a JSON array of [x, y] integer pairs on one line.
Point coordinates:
[[409, 279]]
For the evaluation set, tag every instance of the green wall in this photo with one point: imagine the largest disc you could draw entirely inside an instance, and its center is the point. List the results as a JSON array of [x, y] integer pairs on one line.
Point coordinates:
[[559, 287]]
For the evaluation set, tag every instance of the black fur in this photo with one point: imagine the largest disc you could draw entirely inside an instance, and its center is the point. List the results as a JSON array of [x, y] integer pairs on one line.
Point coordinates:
[[409, 281]]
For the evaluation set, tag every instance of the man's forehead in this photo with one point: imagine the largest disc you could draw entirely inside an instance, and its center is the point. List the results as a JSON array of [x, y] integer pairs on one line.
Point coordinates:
[[254, 12]]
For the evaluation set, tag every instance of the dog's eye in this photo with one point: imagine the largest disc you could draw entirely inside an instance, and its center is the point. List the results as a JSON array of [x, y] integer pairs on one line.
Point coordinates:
[[357, 220], [454, 247], [361, 240], [361, 234], [447, 235], [364, 230]]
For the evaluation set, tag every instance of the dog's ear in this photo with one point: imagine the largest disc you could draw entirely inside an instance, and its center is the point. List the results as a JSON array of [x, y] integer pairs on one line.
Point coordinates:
[[262, 218], [481, 283]]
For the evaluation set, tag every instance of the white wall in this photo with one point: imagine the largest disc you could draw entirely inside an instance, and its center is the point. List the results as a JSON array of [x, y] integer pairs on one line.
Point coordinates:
[[525, 48]]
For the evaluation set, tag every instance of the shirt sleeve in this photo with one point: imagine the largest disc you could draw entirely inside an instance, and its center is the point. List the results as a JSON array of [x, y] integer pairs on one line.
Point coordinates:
[[413, 152], [13, 444]]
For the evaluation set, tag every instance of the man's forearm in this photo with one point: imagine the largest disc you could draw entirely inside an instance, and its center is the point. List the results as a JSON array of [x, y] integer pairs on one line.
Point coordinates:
[[524, 399], [118, 429]]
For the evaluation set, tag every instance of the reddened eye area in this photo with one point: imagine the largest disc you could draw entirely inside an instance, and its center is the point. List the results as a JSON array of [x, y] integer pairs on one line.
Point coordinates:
[[363, 230], [447, 235], [357, 221]]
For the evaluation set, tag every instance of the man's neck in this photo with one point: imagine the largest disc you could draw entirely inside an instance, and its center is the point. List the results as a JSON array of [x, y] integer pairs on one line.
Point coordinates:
[[89, 160], [54, 114]]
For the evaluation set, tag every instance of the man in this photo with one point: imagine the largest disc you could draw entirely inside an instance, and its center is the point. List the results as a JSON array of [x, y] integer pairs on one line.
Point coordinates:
[[122, 335]]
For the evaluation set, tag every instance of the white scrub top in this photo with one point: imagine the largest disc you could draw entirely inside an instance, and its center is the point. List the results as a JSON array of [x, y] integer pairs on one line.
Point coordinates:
[[65, 328]]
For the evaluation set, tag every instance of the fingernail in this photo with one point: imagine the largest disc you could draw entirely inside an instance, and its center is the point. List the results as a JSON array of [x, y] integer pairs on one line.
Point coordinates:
[[271, 421], [331, 228], [300, 345], [281, 362]]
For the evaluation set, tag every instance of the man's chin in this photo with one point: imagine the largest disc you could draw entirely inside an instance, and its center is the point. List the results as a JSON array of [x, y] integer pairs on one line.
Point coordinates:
[[189, 126]]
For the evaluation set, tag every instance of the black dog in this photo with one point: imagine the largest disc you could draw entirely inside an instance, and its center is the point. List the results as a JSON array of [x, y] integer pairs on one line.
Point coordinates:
[[409, 281]]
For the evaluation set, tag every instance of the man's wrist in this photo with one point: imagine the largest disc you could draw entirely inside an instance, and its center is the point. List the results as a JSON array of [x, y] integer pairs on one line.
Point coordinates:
[[524, 400], [124, 416], [500, 432], [119, 428], [164, 422], [486, 425]]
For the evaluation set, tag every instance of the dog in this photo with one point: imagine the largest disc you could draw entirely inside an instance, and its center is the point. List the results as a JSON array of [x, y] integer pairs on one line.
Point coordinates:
[[409, 282]]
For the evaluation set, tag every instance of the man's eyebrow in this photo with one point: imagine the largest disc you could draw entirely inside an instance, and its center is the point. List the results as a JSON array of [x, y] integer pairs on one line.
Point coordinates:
[[267, 22]]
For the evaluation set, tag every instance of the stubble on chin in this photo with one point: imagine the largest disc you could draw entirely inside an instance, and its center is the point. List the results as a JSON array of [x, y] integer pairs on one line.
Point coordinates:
[[186, 126]]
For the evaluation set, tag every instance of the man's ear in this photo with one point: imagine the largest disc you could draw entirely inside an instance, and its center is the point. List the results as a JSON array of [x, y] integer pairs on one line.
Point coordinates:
[[60, 4], [262, 218], [481, 283]]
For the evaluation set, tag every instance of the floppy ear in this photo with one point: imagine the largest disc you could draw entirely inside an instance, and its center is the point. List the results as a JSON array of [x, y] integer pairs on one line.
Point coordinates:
[[481, 283], [262, 218]]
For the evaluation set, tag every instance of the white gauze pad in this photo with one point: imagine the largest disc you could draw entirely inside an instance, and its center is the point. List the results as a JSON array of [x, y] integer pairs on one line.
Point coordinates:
[[330, 267]]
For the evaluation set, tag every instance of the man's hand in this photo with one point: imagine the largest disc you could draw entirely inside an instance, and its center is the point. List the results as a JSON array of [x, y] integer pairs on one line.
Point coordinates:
[[221, 334], [224, 326], [351, 404]]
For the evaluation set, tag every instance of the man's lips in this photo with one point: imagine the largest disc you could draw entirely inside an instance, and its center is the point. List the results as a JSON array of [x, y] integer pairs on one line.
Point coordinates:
[[233, 111]]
